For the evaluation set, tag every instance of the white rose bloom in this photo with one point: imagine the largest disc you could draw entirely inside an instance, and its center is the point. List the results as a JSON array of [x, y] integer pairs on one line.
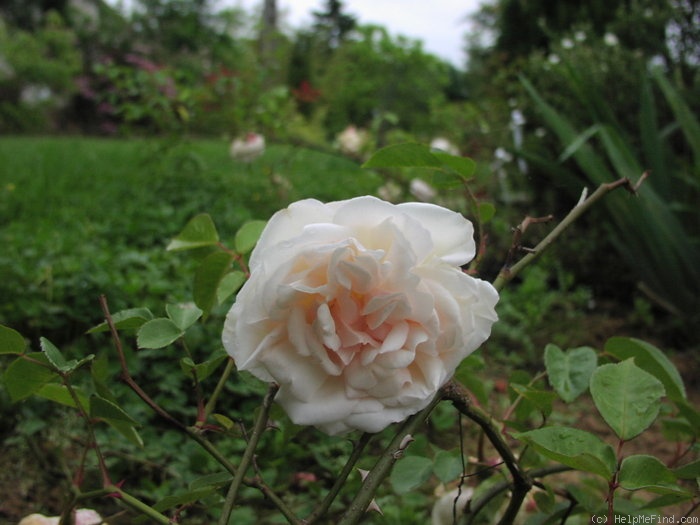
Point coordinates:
[[359, 310]]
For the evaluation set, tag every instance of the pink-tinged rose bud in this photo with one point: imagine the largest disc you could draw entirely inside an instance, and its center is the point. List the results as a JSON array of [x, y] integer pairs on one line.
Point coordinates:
[[87, 517], [248, 148], [80, 517], [38, 519], [351, 140], [359, 310]]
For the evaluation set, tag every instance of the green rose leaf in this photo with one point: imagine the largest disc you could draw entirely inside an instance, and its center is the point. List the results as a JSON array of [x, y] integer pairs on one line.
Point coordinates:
[[59, 394], [541, 399], [569, 372], [183, 499], [183, 315], [648, 473], [230, 283], [130, 319], [205, 369], [410, 473], [651, 360], [200, 231], [57, 359], [627, 397], [247, 236], [688, 471], [463, 166], [11, 341], [447, 465], [26, 375], [216, 480], [207, 279], [405, 155], [127, 430], [158, 333], [104, 409], [572, 447]]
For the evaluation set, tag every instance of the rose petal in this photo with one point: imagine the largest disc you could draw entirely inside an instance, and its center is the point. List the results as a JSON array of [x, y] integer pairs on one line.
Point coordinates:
[[452, 235]]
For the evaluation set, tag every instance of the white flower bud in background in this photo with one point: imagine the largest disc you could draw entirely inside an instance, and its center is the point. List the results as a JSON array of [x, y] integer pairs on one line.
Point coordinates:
[[444, 145], [248, 148]]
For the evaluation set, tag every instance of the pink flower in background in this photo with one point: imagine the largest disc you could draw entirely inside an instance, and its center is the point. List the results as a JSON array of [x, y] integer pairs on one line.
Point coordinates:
[[359, 310], [351, 140]]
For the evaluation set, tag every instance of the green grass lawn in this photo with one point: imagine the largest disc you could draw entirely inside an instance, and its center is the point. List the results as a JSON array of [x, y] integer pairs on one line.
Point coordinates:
[[84, 216]]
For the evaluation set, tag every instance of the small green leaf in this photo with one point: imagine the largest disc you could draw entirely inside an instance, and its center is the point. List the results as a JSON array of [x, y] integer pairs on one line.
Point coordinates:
[[224, 421], [216, 480], [183, 499], [541, 399], [26, 375], [205, 369], [247, 236], [406, 155], [230, 283], [127, 430], [651, 360], [447, 465], [569, 372], [688, 471], [575, 448], [55, 356], [130, 319], [446, 180], [11, 341], [104, 409], [200, 231], [648, 473], [158, 333], [207, 279], [183, 315], [463, 166], [59, 394], [627, 397], [410, 473]]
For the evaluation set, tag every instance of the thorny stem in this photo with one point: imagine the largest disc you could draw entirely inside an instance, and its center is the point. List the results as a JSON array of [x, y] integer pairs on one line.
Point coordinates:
[[139, 506], [456, 393], [340, 480], [500, 487], [383, 465], [193, 433], [126, 376], [509, 272], [258, 429], [91, 431]]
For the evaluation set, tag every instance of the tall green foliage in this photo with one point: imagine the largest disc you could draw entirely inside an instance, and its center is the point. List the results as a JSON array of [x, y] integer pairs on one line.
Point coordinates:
[[659, 228], [379, 74]]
